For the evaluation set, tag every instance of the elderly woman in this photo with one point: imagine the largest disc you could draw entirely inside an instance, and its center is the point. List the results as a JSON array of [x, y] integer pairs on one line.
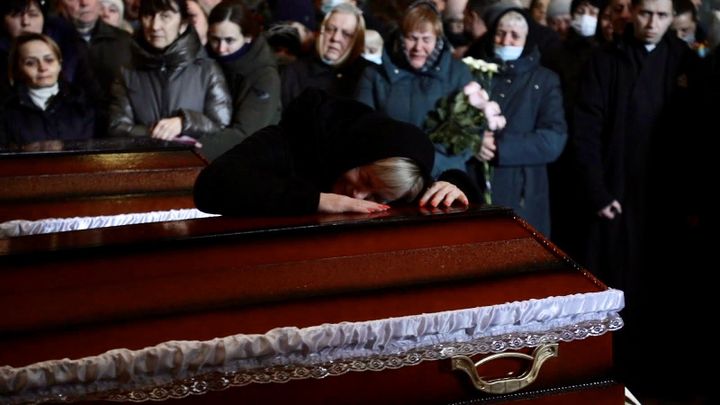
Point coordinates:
[[250, 68], [531, 99], [171, 91], [338, 64], [418, 69], [326, 155], [43, 107]]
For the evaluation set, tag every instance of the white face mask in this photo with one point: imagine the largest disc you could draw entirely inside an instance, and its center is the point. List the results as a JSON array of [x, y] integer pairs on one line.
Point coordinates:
[[584, 24], [328, 5], [375, 58], [506, 53]]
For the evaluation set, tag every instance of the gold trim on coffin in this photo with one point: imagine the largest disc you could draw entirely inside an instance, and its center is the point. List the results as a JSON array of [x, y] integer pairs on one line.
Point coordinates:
[[217, 381]]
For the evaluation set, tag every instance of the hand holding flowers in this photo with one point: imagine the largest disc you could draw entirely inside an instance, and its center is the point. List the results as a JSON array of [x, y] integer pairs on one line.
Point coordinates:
[[467, 122]]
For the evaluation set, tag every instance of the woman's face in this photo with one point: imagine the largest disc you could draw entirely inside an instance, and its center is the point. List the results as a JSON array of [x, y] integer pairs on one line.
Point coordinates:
[[38, 64], [225, 38], [337, 36], [360, 183], [510, 32], [30, 20], [110, 13], [606, 24], [419, 44], [162, 28], [620, 14]]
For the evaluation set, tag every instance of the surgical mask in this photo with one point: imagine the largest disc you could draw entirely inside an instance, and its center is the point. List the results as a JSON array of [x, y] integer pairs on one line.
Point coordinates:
[[375, 58], [506, 53], [689, 39], [584, 24], [328, 5]]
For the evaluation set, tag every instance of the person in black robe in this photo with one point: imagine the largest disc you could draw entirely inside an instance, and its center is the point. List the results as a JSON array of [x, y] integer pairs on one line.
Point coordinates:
[[633, 144], [327, 154]]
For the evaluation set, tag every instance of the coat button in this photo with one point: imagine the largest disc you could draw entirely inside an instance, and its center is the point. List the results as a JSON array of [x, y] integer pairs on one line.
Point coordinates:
[[502, 95], [512, 66], [396, 71], [339, 75], [508, 81], [536, 87]]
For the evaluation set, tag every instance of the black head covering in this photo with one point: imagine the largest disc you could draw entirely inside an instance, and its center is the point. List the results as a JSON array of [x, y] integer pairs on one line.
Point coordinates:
[[575, 3], [344, 134]]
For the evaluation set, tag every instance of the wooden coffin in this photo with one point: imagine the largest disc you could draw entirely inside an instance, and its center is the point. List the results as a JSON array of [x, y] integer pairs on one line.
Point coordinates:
[[99, 177], [177, 304]]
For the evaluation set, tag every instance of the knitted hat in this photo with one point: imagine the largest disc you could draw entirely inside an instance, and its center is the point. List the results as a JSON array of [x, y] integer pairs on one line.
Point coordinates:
[[301, 11]]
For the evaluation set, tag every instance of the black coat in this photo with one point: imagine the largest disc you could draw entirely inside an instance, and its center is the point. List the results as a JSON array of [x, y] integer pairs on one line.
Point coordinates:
[[282, 169], [67, 117], [180, 81], [309, 72], [254, 83]]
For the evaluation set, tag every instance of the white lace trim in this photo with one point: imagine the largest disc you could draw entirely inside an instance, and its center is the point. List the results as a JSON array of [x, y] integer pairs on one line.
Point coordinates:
[[309, 348], [21, 227]]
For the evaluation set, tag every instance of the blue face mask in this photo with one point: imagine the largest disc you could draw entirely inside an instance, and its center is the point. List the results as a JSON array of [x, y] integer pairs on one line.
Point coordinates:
[[328, 5], [506, 53]]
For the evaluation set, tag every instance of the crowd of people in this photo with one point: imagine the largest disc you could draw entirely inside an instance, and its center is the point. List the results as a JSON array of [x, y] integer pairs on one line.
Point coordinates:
[[606, 103]]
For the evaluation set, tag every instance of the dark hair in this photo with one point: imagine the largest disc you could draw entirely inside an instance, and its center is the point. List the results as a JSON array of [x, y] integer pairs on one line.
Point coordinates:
[[13, 62], [685, 6], [237, 13], [12, 7], [152, 7]]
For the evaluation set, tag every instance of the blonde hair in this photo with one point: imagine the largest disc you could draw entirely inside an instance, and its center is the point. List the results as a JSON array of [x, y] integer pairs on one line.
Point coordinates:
[[400, 177], [357, 47]]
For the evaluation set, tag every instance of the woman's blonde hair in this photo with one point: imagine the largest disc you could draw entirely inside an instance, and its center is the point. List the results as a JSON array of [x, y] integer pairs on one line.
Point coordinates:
[[400, 177], [357, 47]]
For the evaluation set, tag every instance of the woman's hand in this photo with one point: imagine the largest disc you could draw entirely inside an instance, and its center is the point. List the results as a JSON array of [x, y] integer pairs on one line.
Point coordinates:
[[337, 203], [167, 128], [488, 147], [442, 192]]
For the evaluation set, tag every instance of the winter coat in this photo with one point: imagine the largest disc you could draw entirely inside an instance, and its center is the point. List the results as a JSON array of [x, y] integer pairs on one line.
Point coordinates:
[[405, 93], [181, 81], [254, 83], [626, 126], [530, 98], [282, 169], [68, 116], [309, 72]]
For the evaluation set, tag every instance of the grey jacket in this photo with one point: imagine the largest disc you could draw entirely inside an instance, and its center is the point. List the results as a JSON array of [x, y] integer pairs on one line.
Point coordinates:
[[179, 81]]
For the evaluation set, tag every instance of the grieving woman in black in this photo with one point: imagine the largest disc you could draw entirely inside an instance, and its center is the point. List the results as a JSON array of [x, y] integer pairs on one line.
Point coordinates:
[[325, 155], [42, 106]]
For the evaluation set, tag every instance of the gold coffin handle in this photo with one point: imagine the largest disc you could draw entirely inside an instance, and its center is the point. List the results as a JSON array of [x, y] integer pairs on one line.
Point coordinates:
[[510, 384]]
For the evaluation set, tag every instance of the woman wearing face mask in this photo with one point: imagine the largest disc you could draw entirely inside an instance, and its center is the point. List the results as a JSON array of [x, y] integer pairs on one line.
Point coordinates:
[[418, 69], [337, 64], [43, 106], [172, 90], [250, 68], [531, 99]]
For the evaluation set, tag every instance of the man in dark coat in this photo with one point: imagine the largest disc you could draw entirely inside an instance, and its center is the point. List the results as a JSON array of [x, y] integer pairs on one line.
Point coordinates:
[[632, 99], [301, 165], [108, 48]]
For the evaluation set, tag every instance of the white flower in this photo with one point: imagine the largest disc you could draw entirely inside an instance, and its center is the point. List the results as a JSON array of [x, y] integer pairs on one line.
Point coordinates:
[[481, 65]]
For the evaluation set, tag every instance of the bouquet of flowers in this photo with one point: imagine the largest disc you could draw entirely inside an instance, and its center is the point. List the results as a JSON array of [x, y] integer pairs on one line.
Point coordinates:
[[459, 122]]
